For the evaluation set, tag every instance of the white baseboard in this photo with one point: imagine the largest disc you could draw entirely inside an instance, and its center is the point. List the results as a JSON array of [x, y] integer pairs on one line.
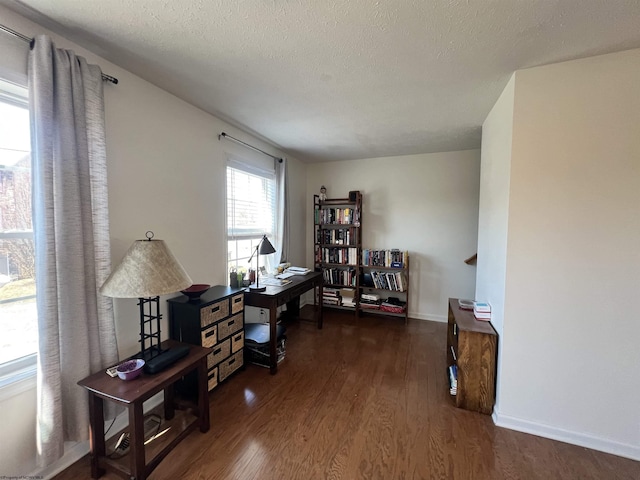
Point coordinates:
[[415, 315], [429, 317], [74, 451], [574, 438]]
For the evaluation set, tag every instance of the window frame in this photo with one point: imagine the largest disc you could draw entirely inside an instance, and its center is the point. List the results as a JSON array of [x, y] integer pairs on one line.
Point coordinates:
[[250, 168], [18, 374]]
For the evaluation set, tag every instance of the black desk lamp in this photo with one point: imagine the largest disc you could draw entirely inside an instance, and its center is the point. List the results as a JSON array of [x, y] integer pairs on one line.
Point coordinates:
[[147, 271], [264, 248]]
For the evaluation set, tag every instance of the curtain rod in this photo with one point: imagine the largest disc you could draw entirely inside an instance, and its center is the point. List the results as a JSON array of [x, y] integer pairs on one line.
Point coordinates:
[[8, 30], [222, 134]]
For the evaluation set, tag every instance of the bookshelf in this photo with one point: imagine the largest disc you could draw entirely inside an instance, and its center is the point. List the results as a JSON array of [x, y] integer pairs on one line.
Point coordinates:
[[337, 237], [385, 274]]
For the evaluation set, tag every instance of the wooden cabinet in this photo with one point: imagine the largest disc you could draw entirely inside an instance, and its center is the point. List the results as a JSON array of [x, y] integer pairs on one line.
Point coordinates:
[[214, 320], [337, 248], [472, 345]]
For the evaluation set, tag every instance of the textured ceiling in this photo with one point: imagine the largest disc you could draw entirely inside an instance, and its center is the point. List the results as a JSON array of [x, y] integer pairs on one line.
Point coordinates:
[[334, 80]]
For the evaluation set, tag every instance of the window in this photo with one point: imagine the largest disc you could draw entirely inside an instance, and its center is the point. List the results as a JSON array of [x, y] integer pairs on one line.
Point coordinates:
[[251, 205], [18, 314]]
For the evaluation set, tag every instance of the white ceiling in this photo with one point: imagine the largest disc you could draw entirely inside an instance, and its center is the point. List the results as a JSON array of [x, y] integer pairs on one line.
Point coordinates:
[[335, 80]]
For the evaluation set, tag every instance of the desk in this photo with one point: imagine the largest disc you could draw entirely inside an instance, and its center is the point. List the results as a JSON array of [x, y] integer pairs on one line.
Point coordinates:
[[274, 297], [132, 394]]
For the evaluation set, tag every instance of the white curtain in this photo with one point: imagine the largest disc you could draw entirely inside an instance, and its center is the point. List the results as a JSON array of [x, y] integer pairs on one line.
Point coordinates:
[[71, 230], [282, 213]]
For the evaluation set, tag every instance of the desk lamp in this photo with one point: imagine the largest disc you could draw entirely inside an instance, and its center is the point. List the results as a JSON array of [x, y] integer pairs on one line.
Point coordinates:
[[264, 248], [147, 271]]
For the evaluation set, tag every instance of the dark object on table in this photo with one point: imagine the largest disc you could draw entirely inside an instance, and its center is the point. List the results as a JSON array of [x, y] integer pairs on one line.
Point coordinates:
[[195, 290], [166, 358]]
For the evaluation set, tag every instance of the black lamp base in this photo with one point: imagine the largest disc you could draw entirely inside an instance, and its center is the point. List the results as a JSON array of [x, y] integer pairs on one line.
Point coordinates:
[[253, 288]]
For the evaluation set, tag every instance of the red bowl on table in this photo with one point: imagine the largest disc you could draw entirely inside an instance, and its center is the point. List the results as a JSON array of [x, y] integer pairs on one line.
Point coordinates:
[[195, 290]]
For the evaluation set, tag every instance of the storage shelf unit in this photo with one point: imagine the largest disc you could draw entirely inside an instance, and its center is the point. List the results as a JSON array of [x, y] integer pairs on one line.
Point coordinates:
[[337, 228], [215, 320], [338, 254], [400, 290], [472, 345]]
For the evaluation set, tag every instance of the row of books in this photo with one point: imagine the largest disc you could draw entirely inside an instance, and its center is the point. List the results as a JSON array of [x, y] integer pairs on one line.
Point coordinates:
[[395, 281], [338, 236], [393, 305], [342, 255], [453, 379], [339, 276], [372, 301], [335, 216], [338, 297], [385, 258]]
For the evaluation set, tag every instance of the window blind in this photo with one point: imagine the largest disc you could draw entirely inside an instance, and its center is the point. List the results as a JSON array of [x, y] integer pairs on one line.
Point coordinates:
[[251, 196]]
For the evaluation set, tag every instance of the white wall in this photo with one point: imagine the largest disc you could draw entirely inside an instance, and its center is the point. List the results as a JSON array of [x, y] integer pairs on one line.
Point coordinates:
[[426, 204], [166, 171], [17, 455], [569, 349], [493, 214]]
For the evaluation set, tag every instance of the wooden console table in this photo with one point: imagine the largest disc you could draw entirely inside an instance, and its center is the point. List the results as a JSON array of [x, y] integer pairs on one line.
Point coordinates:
[[132, 394], [274, 297], [472, 345]]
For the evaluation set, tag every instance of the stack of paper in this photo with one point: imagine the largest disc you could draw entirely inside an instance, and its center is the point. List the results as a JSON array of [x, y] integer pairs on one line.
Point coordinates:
[[284, 275], [347, 295], [298, 270], [274, 282]]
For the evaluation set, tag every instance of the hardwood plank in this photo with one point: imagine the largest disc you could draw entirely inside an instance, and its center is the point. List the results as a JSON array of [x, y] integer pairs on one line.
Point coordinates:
[[363, 399]]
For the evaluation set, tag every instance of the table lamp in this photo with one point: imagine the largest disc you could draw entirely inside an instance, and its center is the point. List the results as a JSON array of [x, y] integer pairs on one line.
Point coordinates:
[[147, 271], [264, 248]]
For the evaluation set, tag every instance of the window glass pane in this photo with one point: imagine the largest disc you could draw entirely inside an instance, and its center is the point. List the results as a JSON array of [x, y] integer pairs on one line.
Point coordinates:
[[250, 204], [18, 316], [250, 215]]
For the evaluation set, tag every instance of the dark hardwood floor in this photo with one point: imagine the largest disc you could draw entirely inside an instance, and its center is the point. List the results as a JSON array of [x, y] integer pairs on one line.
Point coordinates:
[[363, 400]]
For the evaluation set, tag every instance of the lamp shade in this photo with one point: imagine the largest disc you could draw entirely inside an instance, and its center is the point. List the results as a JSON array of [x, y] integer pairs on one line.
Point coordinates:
[[148, 269], [265, 246]]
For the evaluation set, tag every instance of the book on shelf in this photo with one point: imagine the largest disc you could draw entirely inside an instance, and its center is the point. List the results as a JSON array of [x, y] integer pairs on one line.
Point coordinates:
[[453, 379], [481, 307], [336, 216], [340, 276], [393, 305], [370, 304], [372, 297], [347, 292], [393, 258], [330, 301], [482, 311], [386, 280]]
